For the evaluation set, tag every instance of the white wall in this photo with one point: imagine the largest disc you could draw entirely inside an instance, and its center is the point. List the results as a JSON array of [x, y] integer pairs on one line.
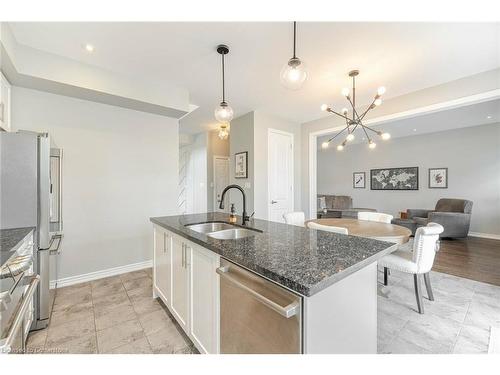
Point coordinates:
[[119, 169], [472, 156], [195, 174], [240, 140]]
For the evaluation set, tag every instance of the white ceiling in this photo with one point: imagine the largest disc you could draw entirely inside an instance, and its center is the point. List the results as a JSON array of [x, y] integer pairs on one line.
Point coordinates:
[[403, 57], [461, 117]]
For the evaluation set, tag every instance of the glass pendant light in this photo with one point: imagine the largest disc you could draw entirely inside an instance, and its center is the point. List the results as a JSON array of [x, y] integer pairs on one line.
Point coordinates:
[[294, 72], [223, 113]]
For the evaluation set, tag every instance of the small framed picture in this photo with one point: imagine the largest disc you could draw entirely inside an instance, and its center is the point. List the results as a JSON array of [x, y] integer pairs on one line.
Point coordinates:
[[359, 180], [438, 178], [241, 165]]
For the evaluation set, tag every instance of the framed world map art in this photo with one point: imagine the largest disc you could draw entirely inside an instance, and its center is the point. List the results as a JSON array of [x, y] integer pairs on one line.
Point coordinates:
[[405, 178]]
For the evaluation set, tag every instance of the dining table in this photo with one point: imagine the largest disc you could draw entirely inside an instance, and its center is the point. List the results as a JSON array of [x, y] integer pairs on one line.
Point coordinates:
[[370, 229]]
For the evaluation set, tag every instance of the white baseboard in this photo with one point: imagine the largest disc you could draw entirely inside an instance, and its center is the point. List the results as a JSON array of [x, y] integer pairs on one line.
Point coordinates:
[[72, 280], [485, 235]]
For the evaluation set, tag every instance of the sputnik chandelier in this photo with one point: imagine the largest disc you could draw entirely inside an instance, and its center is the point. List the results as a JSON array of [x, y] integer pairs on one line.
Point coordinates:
[[355, 121]]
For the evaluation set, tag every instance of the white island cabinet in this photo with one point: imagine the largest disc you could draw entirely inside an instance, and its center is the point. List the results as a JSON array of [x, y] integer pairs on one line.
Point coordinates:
[[232, 312], [162, 264], [186, 281], [180, 281]]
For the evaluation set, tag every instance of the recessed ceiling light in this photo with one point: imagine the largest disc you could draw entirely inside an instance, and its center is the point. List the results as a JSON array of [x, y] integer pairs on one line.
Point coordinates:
[[488, 117], [89, 48], [414, 130]]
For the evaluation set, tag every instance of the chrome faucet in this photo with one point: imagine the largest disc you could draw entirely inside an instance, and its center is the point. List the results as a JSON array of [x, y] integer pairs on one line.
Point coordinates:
[[245, 217]]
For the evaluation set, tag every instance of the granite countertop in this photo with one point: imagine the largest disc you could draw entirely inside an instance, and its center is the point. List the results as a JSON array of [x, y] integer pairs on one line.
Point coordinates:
[[303, 260], [10, 239]]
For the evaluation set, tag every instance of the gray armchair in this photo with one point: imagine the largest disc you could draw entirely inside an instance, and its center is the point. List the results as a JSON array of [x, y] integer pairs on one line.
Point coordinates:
[[453, 214]]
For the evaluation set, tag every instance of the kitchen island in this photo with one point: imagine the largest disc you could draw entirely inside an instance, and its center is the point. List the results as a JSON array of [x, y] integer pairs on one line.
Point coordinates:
[[333, 277]]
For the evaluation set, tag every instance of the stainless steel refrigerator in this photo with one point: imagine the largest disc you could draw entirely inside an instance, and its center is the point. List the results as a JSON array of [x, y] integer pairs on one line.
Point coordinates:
[[30, 195]]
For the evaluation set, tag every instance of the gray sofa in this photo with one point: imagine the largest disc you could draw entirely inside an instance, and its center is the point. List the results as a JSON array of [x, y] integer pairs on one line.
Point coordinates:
[[336, 206], [453, 214]]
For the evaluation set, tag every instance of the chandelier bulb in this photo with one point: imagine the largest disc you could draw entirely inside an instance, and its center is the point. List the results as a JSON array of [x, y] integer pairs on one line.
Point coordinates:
[[324, 107], [325, 145], [345, 111], [377, 102], [372, 144], [340, 147], [381, 90], [350, 137], [345, 92], [385, 136]]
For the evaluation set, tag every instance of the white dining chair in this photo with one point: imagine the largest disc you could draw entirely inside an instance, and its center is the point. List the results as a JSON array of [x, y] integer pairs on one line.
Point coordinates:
[[375, 216], [417, 261], [295, 218], [327, 228]]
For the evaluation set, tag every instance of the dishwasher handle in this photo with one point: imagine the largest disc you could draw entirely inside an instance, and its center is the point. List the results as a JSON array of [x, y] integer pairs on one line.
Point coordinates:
[[288, 311]]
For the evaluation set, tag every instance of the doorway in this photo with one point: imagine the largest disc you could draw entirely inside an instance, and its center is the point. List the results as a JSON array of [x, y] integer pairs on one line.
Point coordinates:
[[280, 174], [221, 180]]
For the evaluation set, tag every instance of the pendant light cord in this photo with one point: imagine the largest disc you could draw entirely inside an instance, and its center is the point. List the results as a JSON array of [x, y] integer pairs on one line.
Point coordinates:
[[294, 37], [223, 81]]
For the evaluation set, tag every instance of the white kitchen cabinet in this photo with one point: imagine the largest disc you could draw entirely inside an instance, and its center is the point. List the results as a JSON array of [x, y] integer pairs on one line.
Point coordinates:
[[204, 324], [162, 264], [180, 281], [5, 89], [185, 279]]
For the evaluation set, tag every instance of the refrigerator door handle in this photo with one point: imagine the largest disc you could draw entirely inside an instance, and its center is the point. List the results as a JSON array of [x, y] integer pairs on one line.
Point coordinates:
[[44, 239]]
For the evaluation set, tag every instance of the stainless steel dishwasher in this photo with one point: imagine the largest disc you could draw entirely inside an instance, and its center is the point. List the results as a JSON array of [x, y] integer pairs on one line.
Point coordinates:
[[256, 315]]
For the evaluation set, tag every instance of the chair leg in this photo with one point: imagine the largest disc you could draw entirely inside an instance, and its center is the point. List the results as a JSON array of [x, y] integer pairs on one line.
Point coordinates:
[[418, 293], [427, 280], [386, 276]]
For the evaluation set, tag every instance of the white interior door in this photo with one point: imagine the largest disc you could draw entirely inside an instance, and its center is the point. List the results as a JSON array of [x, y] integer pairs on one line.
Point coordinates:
[[280, 174], [221, 179]]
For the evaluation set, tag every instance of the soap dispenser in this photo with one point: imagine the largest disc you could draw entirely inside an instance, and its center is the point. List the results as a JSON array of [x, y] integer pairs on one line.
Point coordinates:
[[232, 217]]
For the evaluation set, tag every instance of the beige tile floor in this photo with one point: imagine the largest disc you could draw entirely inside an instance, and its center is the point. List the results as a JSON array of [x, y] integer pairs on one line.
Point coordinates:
[[112, 315], [119, 315]]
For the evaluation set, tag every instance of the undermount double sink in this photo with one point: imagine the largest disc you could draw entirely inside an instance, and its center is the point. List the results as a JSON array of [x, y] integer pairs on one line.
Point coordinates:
[[223, 231]]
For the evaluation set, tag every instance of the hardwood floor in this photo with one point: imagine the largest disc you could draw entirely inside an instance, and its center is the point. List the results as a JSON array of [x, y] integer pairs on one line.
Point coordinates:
[[473, 258]]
